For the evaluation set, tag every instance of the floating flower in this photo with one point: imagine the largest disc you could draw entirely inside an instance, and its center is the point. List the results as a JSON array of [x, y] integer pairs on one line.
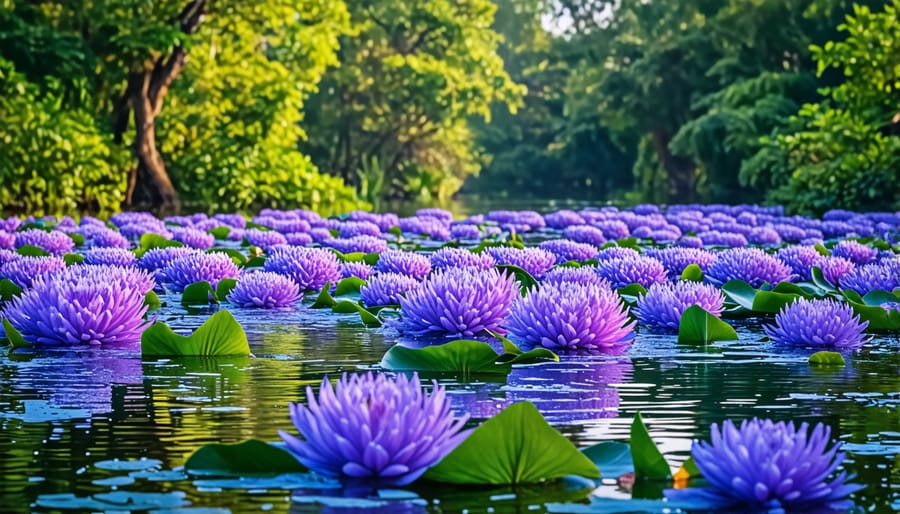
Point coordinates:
[[458, 302], [372, 428], [582, 318], [412, 264], [264, 239], [108, 238], [265, 290], [632, 270], [751, 265], [194, 238], [359, 228], [464, 231], [364, 244], [23, 270], [427, 226], [461, 258], [617, 252], [566, 250], [801, 259], [56, 243], [310, 268], [675, 259], [834, 268], [7, 240], [231, 220], [298, 238], [690, 242], [818, 323], [535, 261], [356, 269], [579, 275], [136, 230], [717, 238], [112, 256], [767, 236], [82, 305], [585, 234], [386, 289], [855, 252], [563, 219], [198, 267], [613, 229], [763, 466], [884, 275], [156, 259], [661, 308]]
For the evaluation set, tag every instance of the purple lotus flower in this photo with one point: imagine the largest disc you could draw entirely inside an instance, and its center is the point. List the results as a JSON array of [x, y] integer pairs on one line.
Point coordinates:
[[198, 267], [436, 212], [7, 240], [265, 290], [7, 256], [566, 250], [194, 238], [717, 238], [56, 243], [310, 268], [264, 239], [763, 466], [834, 268], [320, 234], [801, 259], [751, 265], [111, 256], [458, 302], [884, 275], [108, 238], [376, 429], [818, 323], [461, 258], [427, 226], [231, 220], [290, 226], [617, 252], [613, 229], [585, 234], [23, 270], [82, 305], [136, 230], [464, 232], [359, 228], [571, 317], [563, 219], [690, 242], [386, 289], [855, 252], [634, 270], [661, 308], [764, 236], [364, 244], [412, 264], [298, 238], [156, 259], [356, 269], [580, 275], [533, 260], [675, 259]]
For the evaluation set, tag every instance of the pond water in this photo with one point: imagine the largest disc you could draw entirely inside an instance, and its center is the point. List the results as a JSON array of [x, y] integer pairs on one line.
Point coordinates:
[[63, 413]]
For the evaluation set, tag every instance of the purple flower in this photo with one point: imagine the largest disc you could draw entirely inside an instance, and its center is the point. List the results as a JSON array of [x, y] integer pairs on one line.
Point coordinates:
[[617, 252], [579, 275], [461, 258], [194, 238], [585, 234], [56, 243], [801, 259], [359, 228], [136, 230], [690, 242], [566, 250], [7, 240], [356, 269], [763, 466], [310, 268], [290, 226], [24, 270], [884, 275], [156, 259], [376, 429], [464, 231], [563, 219], [613, 229], [436, 212], [458, 302], [386, 289], [855, 252], [764, 236], [298, 238], [425, 225], [364, 244], [231, 220], [717, 238], [412, 264], [108, 238], [533, 260], [789, 233], [320, 234], [126, 218], [818, 323], [632, 270], [7, 256], [572, 317], [264, 239], [198, 267], [384, 221], [751, 265], [834, 268], [82, 305], [265, 290], [675, 259], [111, 256], [661, 308]]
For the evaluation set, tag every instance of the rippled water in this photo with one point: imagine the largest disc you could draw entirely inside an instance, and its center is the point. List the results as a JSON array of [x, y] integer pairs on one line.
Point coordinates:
[[62, 412]]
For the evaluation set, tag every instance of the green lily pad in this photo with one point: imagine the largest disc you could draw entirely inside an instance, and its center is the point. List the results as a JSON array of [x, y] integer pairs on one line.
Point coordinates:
[[199, 293], [525, 279], [8, 290], [324, 300], [220, 233], [740, 293], [611, 457], [150, 241], [151, 300], [827, 359], [464, 356], [14, 336], [73, 258], [32, 251], [649, 462], [698, 326], [347, 307], [224, 288], [236, 257], [771, 302], [349, 285], [221, 334], [247, 458], [693, 273]]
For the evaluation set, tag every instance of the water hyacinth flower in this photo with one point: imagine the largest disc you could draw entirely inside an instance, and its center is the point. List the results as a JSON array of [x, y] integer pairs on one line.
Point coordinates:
[[617, 252], [855, 252], [763, 466], [613, 229], [198, 267], [156, 259], [359, 228], [461, 258], [372, 428], [717, 238], [818, 323], [112, 256], [579, 275], [767, 236], [465, 231], [801, 259], [675, 259], [55, 243], [661, 308], [22, 271], [310, 268], [108, 238], [585, 234], [458, 302], [834, 268], [386, 289], [571, 317], [884, 275], [751, 265], [412, 264], [632, 270], [82, 305], [356, 269], [563, 219], [7, 255], [298, 238], [566, 250], [364, 244], [264, 239], [535, 261], [231, 220], [194, 238], [265, 290]]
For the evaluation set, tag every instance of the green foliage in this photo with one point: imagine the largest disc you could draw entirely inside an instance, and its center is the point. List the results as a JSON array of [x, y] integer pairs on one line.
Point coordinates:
[[219, 335], [250, 457]]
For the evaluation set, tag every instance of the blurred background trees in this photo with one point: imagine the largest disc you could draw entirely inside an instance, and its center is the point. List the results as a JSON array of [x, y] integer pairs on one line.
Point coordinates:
[[226, 104]]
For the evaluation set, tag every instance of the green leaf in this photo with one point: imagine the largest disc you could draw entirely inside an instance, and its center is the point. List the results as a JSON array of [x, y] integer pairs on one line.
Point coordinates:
[[879, 318], [464, 356], [790, 288], [879, 297], [8, 290], [371, 258], [649, 462], [324, 300], [251, 457], [150, 241], [525, 279], [740, 293], [698, 326], [224, 288], [73, 258], [348, 307], [612, 458], [826, 359], [690, 467], [852, 296], [220, 233], [349, 285], [236, 257], [221, 334], [350, 257], [628, 242], [772, 302], [255, 262], [516, 446], [693, 273], [825, 252], [818, 278], [151, 300], [632, 292], [32, 251], [76, 238], [199, 293], [14, 336]]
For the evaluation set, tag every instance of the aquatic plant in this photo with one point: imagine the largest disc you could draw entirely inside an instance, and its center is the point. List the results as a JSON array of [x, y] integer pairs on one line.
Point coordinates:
[[23, 270], [386, 288], [310, 268], [265, 290], [461, 258], [585, 234], [617, 252], [572, 317], [356, 269], [198, 267], [412, 264], [579, 275], [763, 466], [465, 231], [533, 260], [834, 268], [359, 228], [264, 239], [632, 270], [661, 308], [372, 428], [113, 256], [855, 252], [675, 259], [818, 322], [54, 242], [800, 258], [108, 238], [194, 238], [566, 250], [751, 265], [364, 244], [883, 275]]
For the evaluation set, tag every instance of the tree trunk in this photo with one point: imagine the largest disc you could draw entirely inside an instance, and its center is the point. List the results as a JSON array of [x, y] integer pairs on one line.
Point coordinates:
[[680, 171], [148, 181]]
